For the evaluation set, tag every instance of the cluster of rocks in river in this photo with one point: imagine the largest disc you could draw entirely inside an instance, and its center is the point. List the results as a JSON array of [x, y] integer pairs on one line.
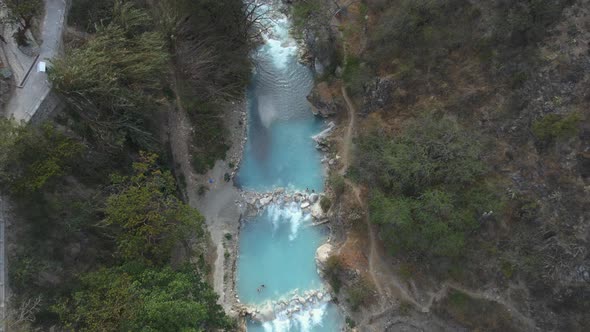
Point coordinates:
[[324, 102], [290, 305], [307, 201]]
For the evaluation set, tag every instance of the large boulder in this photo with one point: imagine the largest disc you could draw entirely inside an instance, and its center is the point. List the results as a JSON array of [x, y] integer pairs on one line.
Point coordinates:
[[322, 254], [324, 102], [378, 94]]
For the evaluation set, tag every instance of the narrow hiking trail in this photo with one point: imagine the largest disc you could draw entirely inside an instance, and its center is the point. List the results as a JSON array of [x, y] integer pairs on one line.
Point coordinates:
[[381, 275], [480, 295], [387, 285], [347, 139]]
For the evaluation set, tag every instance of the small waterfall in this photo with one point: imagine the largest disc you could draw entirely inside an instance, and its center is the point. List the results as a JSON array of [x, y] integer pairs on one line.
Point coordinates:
[[290, 213], [298, 313]]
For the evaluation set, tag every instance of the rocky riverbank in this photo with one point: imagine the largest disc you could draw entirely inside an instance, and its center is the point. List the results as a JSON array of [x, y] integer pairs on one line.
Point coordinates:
[[217, 199]]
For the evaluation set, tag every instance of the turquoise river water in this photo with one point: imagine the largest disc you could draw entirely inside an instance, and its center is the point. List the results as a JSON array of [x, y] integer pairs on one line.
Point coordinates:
[[277, 247]]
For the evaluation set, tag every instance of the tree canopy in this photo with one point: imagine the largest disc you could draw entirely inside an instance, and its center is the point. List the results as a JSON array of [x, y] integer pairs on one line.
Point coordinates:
[[110, 81], [134, 297], [147, 217], [31, 158], [22, 13], [428, 192]]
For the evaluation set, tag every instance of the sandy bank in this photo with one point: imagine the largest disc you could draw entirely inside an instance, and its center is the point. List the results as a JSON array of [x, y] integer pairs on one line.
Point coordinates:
[[221, 203]]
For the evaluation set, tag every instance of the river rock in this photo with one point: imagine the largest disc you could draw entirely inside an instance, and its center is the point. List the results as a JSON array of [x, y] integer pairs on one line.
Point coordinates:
[[316, 211], [313, 197], [322, 254], [321, 137], [305, 204], [265, 200], [323, 101]]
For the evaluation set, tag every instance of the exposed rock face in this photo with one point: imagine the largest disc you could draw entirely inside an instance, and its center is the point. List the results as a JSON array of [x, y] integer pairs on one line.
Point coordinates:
[[323, 101], [322, 254], [378, 94], [313, 197]]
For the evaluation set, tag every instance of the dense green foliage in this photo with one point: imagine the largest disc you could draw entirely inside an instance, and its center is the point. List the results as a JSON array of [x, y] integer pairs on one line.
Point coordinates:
[[333, 271], [148, 217], [134, 297], [325, 203], [110, 80], [211, 48], [101, 219], [32, 158], [88, 15], [337, 183], [361, 293], [477, 314], [414, 38], [135, 218], [427, 196], [22, 13], [304, 10], [422, 27], [553, 126]]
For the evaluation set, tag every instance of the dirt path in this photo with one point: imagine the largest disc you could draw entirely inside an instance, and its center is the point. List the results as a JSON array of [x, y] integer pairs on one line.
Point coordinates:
[[481, 295], [386, 284], [220, 203], [25, 101], [347, 139]]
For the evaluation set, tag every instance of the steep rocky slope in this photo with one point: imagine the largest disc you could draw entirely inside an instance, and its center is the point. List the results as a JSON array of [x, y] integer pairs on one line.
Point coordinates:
[[515, 76]]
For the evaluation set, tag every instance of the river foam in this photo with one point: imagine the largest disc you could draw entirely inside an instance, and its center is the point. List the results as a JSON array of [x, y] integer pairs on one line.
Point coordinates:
[[290, 213]]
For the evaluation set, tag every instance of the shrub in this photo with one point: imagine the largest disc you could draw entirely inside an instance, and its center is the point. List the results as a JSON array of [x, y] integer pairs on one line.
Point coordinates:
[[404, 308], [202, 190], [458, 299], [361, 293], [332, 270], [553, 127], [507, 269], [337, 184], [355, 74], [303, 10], [112, 80], [325, 203], [427, 194], [350, 322], [88, 14]]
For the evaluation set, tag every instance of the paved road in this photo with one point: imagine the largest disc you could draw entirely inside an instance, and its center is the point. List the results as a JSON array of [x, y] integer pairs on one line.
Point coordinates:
[[24, 102], [3, 214]]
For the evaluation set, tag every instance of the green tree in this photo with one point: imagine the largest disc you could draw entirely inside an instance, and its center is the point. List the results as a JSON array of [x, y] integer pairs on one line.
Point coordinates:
[[110, 81], [432, 150], [148, 218], [427, 195], [31, 158], [134, 297], [554, 126], [22, 13]]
